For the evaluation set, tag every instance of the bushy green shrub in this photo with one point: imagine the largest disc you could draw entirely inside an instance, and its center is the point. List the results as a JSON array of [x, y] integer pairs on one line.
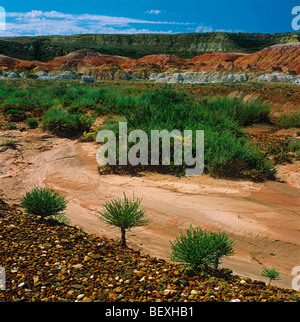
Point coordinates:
[[62, 123], [32, 123], [201, 248], [15, 115], [43, 202], [12, 111], [11, 126], [289, 120]]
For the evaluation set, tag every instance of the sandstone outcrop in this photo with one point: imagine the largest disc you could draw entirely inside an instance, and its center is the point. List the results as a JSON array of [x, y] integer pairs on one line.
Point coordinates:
[[223, 77]]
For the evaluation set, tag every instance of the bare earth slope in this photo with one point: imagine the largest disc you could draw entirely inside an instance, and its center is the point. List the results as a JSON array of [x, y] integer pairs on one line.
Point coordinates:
[[282, 57], [278, 58], [263, 219]]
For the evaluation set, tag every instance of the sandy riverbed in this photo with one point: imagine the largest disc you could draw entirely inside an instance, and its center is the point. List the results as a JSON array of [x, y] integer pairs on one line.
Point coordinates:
[[262, 218]]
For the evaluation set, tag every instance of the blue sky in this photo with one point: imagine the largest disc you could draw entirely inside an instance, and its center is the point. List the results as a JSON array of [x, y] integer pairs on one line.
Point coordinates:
[[61, 17]]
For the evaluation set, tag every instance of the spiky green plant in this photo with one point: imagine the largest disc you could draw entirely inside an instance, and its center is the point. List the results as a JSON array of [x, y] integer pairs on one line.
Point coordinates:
[[43, 202], [271, 273], [201, 248], [124, 214]]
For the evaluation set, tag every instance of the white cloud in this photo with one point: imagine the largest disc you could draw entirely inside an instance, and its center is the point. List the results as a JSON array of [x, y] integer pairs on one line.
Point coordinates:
[[199, 28], [37, 22], [153, 12], [207, 29], [204, 29]]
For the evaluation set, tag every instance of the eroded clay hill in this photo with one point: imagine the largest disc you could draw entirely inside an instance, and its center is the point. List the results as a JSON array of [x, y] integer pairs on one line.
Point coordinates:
[[282, 58]]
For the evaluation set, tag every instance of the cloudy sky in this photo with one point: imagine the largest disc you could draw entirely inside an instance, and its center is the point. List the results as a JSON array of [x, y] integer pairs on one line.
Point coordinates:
[[34, 17]]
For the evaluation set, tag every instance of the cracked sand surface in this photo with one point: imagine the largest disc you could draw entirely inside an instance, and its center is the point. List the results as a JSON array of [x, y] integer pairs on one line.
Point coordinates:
[[262, 218]]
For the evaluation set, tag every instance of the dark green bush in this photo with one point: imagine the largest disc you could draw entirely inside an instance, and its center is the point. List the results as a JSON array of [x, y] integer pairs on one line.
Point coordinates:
[[12, 111], [62, 123], [201, 248], [32, 123], [43, 202], [11, 126]]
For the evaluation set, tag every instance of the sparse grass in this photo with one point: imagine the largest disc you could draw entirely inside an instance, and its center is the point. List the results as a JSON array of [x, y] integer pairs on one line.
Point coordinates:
[[10, 143], [279, 149], [289, 120], [294, 146]]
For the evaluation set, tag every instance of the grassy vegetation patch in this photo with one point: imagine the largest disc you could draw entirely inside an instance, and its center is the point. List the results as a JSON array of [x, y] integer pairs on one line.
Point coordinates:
[[68, 109], [228, 152], [289, 120], [62, 123]]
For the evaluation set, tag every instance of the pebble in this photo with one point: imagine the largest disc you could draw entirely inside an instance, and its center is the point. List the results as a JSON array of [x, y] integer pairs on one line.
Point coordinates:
[[78, 266], [88, 268]]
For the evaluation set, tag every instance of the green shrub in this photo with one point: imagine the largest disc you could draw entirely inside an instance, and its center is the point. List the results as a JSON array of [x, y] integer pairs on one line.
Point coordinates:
[[271, 273], [124, 214], [294, 146], [15, 115], [32, 123], [290, 120], [62, 123], [201, 248], [11, 126], [17, 101], [244, 113], [43, 202], [12, 111]]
